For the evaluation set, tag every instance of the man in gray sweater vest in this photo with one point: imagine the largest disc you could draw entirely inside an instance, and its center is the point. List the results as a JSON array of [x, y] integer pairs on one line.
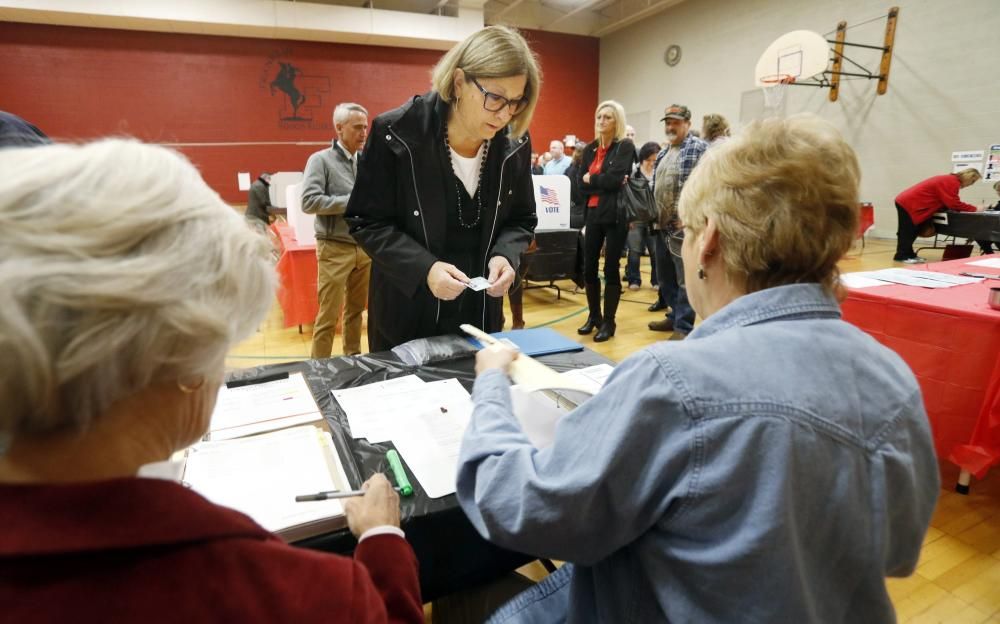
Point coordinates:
[[342, 267]]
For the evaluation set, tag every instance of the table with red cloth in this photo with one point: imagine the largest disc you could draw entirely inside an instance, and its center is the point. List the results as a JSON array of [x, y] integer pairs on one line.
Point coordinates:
[[297, 273], [950, 338]]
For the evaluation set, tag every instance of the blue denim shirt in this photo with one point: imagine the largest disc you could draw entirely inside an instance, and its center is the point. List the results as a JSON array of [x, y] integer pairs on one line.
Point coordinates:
[[773, 467]]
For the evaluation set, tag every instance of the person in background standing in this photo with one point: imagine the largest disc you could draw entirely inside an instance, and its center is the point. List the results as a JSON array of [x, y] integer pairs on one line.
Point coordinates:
[[985, 245], [559, 162], [606, 163], [715, 129], [673, 167], [343, 268], [639, 233], [258, 213]]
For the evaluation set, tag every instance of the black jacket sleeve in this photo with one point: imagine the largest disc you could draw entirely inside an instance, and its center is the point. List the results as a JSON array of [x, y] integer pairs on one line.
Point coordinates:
[[374, 214], [614, 171], [518, 229]]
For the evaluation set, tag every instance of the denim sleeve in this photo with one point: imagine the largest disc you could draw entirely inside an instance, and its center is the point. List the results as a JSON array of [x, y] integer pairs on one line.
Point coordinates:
[[618, 464]]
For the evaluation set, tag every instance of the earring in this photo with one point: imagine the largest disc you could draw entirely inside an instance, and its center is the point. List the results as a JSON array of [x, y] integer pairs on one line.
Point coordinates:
[[701, 272], [188, 388]]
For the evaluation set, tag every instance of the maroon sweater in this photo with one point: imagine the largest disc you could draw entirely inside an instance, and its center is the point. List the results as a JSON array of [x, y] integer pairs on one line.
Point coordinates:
[[932, 195], [146, 550]]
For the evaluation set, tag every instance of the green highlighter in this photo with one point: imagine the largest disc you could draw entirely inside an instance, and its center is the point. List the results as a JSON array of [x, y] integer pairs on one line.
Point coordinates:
[[398, 473]]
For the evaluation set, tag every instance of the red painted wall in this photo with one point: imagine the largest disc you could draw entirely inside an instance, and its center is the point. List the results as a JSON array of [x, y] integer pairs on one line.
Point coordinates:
[[82, 83]]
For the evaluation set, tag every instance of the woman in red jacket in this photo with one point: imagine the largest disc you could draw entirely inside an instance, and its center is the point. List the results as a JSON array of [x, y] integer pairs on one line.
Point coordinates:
[[916, 206], [126, 281]]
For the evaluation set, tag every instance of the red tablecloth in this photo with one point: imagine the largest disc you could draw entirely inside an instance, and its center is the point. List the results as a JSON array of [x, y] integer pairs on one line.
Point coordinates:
[[950, 337], [297, 272]]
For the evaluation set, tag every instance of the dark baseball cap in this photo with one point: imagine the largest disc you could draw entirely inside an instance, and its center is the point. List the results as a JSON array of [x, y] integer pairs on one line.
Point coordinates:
[[677, 111]]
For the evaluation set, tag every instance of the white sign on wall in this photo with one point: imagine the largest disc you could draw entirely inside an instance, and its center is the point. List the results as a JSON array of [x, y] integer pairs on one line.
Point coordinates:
[[967, 159], [552, 201], [992, 171], [967, 156]]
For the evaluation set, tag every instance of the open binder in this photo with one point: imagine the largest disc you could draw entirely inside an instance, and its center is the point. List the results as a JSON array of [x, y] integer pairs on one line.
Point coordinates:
[[261, 475]]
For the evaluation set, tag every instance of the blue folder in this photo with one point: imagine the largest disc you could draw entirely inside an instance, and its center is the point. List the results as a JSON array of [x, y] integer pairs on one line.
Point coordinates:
[[540, 341]]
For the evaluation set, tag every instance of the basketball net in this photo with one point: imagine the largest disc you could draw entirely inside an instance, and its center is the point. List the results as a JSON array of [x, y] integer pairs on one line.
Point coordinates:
[[774, 88]]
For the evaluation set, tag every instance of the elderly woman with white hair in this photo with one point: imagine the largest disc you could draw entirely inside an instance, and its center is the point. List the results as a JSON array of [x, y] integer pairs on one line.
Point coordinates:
[[773, 467], [125, 282]]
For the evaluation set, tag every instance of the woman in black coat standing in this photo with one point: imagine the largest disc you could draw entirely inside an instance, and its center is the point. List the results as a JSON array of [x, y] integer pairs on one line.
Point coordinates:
[[444, 193], [606, 162]]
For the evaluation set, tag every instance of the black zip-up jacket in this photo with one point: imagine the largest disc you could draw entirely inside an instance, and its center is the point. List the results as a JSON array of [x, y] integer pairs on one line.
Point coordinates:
[[608, 183], [397, 214]]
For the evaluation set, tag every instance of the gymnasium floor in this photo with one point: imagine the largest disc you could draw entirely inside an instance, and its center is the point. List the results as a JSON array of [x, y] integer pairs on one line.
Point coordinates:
[[958, 578]]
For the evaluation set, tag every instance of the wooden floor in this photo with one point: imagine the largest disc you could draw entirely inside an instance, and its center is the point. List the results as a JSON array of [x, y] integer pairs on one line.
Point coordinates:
[[958, 577]]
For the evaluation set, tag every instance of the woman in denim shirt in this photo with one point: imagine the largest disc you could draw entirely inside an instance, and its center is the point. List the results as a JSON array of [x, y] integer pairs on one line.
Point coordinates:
[[774, 467]]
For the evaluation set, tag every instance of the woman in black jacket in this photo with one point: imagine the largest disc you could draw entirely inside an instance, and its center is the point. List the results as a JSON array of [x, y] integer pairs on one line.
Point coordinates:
[[444, 193], [602, 173]]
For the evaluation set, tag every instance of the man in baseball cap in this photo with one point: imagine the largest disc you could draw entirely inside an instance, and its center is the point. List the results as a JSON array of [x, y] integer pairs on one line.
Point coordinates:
[[673, 166], [677, 111]]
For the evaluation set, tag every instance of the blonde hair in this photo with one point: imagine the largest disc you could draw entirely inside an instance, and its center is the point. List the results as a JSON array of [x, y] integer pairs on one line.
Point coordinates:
[[714, 126], [121, 269], [493, 52], [618, 112], [969, 176], [784, 196]]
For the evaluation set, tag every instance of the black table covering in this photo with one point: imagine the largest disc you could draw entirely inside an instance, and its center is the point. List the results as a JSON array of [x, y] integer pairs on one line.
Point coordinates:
[[452, 556]]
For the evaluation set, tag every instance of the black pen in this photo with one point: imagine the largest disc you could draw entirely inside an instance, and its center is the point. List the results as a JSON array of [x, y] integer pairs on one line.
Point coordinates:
[[237, 383], [330, 494]]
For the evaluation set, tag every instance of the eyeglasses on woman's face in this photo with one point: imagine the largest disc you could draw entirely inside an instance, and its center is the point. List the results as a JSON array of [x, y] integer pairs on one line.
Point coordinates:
[[495, 103]]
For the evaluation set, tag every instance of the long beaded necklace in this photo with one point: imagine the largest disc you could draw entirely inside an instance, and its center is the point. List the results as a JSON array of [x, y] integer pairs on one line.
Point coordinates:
[[478, 198]]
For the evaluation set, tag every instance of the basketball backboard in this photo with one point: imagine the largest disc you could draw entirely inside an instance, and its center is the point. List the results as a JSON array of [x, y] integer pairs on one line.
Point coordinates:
[[796, 55]]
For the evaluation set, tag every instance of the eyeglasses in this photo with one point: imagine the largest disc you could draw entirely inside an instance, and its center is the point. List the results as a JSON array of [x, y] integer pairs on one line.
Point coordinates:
[[675, 239], [496, 103]]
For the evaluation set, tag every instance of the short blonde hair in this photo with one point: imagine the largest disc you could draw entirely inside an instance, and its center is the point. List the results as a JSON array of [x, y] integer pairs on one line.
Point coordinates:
[[784, 196], [618, 112], [969, 176], [121, 269], [493, 52], [714, 126]]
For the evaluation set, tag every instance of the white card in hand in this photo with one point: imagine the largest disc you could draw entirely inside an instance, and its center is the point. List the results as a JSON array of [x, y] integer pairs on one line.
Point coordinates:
[[479, 283]]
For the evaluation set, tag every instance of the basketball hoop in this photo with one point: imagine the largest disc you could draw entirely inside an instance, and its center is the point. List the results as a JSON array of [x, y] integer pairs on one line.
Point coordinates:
[[773, 87]]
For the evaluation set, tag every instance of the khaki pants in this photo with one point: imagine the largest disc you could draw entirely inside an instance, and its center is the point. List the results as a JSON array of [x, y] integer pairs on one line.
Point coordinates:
[[342, 281]]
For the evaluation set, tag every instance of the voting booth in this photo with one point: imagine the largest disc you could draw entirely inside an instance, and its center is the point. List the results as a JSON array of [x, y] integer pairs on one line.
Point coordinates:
[[301, 222], [552, 201], [555, 254]]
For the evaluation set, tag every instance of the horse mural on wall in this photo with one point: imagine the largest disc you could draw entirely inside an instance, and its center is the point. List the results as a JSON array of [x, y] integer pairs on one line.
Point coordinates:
[[285, 81]]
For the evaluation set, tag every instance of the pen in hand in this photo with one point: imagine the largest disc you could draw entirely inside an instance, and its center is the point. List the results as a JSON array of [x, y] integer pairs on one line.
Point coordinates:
[[330, 494]]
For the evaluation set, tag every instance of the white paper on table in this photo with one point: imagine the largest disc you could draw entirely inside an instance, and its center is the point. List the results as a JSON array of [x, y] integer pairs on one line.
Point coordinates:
[[367, 406], [860, 280], [591, 377], [538, 413], [988, 262], [436, 395], [924, 279], [261, 475], [429, 440], [258, 407]]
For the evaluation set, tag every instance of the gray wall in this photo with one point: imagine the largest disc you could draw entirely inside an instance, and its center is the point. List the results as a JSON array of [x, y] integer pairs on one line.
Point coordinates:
[[944, 88]]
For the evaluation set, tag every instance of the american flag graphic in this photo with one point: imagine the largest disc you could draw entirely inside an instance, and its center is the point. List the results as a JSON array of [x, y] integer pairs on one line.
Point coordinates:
[[549, 196]]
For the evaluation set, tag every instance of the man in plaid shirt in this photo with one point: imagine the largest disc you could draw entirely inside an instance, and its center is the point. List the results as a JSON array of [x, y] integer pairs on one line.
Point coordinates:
[[673, 166]]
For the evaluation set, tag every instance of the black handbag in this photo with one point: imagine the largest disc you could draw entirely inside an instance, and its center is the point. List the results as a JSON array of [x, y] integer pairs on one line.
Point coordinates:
[[636, 203]]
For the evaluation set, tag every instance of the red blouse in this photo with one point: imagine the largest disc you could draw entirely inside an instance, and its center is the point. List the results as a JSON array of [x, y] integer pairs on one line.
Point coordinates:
[[594, 169]]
